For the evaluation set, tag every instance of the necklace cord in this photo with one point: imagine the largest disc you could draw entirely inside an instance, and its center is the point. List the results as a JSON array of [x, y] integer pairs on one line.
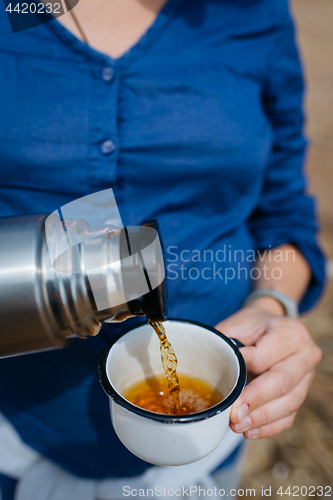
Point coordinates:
[[78, 25]]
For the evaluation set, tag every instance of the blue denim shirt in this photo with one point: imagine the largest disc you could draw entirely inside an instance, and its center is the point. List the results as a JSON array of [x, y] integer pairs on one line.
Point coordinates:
[[198, 125]]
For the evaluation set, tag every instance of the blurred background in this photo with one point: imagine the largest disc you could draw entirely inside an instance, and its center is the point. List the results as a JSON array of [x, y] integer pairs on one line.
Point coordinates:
[[303, 455]]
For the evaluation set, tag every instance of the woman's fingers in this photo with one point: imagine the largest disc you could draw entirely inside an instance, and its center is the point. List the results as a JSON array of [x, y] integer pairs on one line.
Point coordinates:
[[271, 430], [275, 383], [276, 409], [280, 358], [247, 325], [284, 337]]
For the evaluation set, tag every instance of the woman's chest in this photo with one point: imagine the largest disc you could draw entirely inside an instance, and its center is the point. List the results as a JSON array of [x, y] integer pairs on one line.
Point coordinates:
[[73, 122]]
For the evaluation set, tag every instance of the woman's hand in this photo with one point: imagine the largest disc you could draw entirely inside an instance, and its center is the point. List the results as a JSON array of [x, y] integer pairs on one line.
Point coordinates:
[[280, 359]]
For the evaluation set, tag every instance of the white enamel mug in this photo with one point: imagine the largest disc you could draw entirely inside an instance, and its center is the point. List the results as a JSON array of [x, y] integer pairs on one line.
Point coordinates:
[[202, 352]]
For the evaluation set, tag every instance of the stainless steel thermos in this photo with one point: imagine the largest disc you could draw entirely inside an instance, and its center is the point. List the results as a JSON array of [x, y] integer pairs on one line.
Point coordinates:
[[43, 304]]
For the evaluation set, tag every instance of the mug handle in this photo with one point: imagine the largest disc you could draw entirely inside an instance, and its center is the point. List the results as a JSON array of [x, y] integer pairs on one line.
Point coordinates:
[[237, 342]]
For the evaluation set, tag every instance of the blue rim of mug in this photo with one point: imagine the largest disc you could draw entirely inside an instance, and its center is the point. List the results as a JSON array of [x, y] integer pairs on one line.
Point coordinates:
[[161, 417]]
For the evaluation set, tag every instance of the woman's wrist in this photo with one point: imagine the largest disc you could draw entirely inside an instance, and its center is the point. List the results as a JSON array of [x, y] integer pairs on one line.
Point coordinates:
[[269, 304]]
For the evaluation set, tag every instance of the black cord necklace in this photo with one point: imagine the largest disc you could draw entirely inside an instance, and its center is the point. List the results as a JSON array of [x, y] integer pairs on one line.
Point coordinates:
[[79, 27]]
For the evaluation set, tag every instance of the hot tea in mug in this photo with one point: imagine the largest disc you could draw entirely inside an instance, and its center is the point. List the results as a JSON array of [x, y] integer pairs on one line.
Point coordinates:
[[167, 438], [153, 394]]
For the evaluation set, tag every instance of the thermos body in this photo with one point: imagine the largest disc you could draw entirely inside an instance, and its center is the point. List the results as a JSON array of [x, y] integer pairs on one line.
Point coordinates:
[[41, 308], [24, 320]]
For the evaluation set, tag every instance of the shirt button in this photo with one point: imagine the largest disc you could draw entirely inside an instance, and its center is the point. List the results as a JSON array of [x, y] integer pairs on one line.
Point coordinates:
[[108, 74], [108, 147]]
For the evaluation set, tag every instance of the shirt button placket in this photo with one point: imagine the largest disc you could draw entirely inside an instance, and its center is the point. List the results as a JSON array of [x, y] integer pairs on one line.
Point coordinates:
[[105, 119]]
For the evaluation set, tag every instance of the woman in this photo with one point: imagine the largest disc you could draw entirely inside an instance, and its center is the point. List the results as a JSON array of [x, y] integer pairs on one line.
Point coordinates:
[[191, 111]]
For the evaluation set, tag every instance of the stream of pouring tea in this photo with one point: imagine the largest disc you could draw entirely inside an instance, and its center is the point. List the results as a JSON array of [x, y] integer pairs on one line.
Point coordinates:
[[169, 362]]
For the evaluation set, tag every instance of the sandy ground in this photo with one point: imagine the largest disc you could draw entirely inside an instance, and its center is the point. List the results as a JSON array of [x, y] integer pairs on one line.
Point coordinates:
[[303, 455]]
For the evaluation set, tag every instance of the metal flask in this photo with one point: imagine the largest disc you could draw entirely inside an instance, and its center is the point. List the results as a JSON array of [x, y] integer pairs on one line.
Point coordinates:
[[111, 275]]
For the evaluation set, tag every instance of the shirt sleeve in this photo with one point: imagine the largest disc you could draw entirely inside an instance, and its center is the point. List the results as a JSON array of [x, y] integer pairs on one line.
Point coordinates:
[[285, 212]]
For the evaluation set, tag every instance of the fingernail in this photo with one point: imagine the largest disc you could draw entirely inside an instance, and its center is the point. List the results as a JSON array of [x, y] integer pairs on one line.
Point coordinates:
[[246, 424], [253, 433], [242, 411]]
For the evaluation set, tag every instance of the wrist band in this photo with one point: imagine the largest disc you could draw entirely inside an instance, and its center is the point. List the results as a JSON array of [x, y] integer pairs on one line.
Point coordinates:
[[289, 305]]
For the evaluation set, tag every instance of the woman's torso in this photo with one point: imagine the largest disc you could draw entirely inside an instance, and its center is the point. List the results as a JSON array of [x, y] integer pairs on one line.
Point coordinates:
[[183, 109]]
